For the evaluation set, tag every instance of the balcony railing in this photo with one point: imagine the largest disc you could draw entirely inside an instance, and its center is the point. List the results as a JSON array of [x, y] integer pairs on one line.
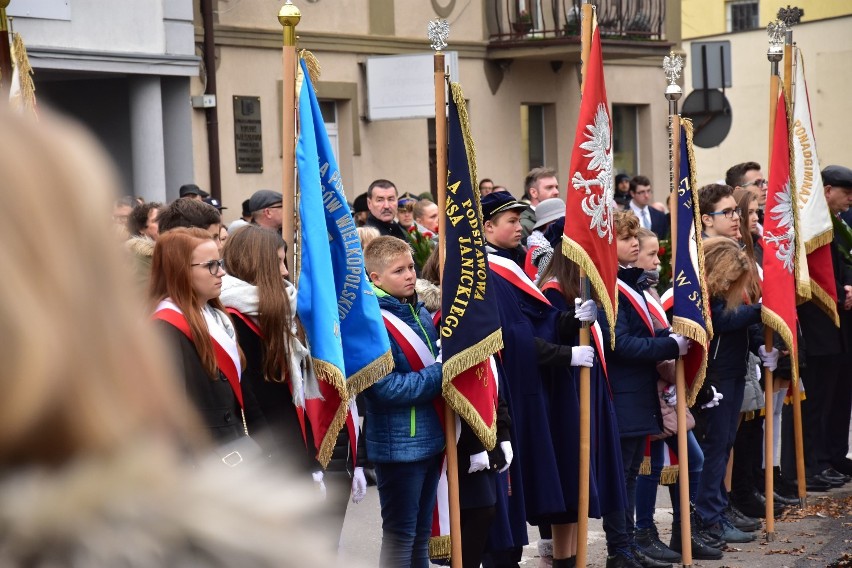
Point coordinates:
[[513, 21]]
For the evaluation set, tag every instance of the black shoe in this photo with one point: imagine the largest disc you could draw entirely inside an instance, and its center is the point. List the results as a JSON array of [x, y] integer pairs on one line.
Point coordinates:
[[724, 530], [834, 482], [844, 466], [570, 562], [816, 484], [648, 562], [700, 549], [785, 487], [752, 507], [786, 501], [622, 560], [699, 532], [832, 473], [648, 541], [778, 508], [740, 520]]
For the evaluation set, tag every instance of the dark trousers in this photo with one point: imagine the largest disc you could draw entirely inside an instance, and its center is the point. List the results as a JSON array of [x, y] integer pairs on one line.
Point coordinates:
[[407, 493], [719, 429], [838, 418], [824, 374], [748, 459], [475, 524], [618, 525]]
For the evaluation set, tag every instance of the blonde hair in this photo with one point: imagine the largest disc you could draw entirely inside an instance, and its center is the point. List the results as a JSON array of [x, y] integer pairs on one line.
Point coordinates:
[[367, 234], [626, 224], [82, 371], [644, 234], [727, 270], [383, 250]]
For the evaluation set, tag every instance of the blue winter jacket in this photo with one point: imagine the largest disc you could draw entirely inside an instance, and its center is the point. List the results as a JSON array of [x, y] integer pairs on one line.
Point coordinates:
[[402, 424], [632, 367]]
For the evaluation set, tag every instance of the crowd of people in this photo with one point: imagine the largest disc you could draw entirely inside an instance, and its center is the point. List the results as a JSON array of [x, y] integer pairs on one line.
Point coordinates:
[[139, 374]]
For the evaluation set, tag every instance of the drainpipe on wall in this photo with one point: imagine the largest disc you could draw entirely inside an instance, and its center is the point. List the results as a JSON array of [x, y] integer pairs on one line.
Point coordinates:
[[209, 48]]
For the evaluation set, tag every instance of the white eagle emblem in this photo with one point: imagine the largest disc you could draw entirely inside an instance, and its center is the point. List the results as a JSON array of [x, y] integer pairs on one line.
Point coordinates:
[[785, 241], [598, 144]]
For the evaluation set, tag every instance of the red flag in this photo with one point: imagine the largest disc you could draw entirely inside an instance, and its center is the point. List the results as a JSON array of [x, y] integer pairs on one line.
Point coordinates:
[[779, 237], [589, 238]]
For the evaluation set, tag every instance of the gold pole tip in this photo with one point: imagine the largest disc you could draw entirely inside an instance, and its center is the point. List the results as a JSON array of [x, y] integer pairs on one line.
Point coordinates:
[[4, 4], [288, 15]]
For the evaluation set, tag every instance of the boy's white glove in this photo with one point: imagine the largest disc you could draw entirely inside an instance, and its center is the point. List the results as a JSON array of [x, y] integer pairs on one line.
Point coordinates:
[[582, 356], [717, 396], [440, 356], [479, 462], [670, 395], [506, 448], [318, 479], [585, 311], [770, 359], [359, 485], [682, 343]]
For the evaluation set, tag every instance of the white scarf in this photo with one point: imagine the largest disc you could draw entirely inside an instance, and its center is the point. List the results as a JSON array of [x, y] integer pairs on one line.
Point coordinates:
[[244, 298]]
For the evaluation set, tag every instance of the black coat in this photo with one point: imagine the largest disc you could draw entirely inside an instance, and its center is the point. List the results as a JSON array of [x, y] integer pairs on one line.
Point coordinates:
[[735, 333], [392, 229], [283, 430], [821, 335], [213, 398]]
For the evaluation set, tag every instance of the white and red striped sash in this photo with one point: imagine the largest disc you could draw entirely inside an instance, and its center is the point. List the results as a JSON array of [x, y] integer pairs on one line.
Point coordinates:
[[638, 302], [512, 273]]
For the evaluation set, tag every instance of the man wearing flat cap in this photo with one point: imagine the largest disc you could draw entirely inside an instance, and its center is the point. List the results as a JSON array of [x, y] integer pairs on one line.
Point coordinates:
[[266, 209], [827, 350], [192, 191]]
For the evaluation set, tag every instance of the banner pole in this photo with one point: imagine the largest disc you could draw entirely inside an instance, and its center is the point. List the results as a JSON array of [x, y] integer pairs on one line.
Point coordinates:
[[438, 35], [5, 53], [289, 17], [672, 65], [585, 340]]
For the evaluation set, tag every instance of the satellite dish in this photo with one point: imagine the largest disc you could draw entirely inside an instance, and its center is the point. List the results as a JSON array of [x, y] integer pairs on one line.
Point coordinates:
[[711, 116]]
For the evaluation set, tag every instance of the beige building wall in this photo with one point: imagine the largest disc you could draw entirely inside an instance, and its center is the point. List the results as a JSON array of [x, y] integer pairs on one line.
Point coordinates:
[[249, 64], [827, 50], [709, 17]]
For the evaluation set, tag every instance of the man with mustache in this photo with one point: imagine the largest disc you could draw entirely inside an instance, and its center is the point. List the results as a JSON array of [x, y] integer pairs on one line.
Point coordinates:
[[382, 205]]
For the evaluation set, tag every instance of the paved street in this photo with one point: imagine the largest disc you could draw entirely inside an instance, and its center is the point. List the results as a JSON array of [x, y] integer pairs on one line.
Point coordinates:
[[818, 539]]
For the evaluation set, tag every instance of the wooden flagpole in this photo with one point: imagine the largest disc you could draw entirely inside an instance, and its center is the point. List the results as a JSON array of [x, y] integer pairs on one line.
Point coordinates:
[[774, 54], [289, 17], [5, 53], [791, 16], [672, 66], [585, 340], [438, 32]]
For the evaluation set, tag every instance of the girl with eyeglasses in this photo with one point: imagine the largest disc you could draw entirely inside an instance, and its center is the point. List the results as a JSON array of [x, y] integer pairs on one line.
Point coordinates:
[[186, 280]]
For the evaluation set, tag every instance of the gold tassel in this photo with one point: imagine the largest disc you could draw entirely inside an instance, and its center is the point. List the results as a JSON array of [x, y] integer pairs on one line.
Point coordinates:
[[645, 468], [669, 475], [576, 253], [440, 548], [313, 65], [27, 100]]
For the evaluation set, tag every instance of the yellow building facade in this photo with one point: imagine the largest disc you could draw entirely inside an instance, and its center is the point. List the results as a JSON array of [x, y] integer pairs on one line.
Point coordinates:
[[715, 17]]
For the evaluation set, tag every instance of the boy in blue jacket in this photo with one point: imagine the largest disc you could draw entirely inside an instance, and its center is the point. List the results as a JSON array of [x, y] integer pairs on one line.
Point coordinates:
[[632, 371], [402, 428]]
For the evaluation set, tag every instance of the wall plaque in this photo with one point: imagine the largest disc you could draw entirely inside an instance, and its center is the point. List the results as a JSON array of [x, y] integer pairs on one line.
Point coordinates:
[[248, 142]]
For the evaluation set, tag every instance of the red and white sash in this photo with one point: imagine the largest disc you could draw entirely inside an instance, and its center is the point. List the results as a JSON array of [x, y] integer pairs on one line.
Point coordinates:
[[638, 302], [224, 346], [656, 309], [511, 272], [667, 299], [416, 351]]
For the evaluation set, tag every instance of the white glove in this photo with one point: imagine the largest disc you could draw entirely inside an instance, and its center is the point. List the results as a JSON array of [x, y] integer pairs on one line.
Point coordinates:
[[318, 479], [479, 462], [770, 359], [506, 447], [440, 356], [717, 396], [359, 485], [682, 343], [582, 356], [670, 395], [585, 311]]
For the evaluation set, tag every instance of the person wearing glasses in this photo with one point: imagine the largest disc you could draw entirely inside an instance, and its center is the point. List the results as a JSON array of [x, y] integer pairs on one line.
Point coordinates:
[[265, 206], [748, 175], [186, 280], [720, 216]]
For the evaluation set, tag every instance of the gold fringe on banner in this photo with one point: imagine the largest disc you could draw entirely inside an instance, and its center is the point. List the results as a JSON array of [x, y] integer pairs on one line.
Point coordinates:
[[470, 149], [473, 355], [824, 302], [669, 475], [330, 374], [25, 101], [576, 253], [439, 547], [645, 466], [690, 329], [777, 323], [803, 288], [369, 374], [458, 402], [820, 240], [313, 65]]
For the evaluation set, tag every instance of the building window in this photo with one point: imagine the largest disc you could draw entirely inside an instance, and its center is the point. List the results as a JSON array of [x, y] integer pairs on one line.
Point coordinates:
[[533, 141], [625, 140], [743, 15], [329, 117]]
